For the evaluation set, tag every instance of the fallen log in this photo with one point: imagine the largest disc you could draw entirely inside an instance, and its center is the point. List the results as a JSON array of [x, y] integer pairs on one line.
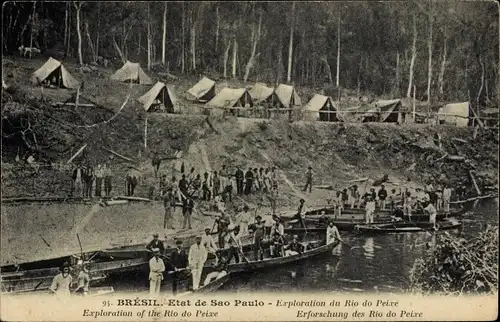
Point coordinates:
[[132, 198], [459, 140], [324, 187], [119, 155], [455, 158], [474, 182], [359, 180], [473, 199], [40, 199], [114, 202], [76, 154]]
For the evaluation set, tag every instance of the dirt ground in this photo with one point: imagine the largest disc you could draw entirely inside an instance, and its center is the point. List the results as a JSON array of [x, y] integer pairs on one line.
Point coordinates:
[[337, 152]]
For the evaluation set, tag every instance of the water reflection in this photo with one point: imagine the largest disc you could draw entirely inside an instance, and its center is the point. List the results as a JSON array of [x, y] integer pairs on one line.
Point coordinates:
[[369, 249]]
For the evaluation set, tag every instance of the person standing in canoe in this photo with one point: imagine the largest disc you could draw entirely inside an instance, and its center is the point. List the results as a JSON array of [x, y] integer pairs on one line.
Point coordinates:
[[276, 236], [332, 232], [431, 210], [179, 262], [208, 242], [446, 198], [382, 196], [197, 258], [234, 243], [62, 281], [156, 269], [369, 209], [301, 213], [258, 235], [156, 245]]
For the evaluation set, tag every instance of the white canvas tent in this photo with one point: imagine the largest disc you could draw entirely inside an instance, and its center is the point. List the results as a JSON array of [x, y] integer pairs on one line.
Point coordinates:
[[231, 97], [456, 113], [317, 104], [162, 96], [389, 110], [288, 96], [260, 92], [204, 90], [131, 72], [55, 73]]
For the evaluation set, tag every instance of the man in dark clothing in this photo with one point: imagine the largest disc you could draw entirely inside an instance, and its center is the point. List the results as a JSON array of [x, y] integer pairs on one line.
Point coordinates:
[[131, 180], [156, 161], [382, 196], [156, 244], [373, 194], [300, 216], [169, 205], [309, 179], [187, 211], [179, 262], [216, 184], [88, 178], [222, 224], [239, 180], [249, 181], [183, 185], [206, 187]]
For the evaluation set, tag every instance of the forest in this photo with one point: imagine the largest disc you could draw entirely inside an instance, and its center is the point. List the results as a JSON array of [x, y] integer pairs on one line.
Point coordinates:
[[444, 51]]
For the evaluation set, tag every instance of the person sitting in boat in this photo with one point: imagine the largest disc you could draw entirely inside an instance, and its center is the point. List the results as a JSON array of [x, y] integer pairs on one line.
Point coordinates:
[[232, 240], [332, 233], [62, 281], [294, 247], [323, 220], [156, 245], [83, 280], [344, 197], [398, 213], [220, 270], [431, 210], [276, 235], [258, 235]]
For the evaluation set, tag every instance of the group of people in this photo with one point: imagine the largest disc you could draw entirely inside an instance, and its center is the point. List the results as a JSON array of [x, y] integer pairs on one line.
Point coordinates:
[[85, 177], [62, 283]]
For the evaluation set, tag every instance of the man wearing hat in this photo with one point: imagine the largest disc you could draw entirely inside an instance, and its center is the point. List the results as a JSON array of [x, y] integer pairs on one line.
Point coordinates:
[[258, 235], [332, 232], [232, 240], [156, 245], [294, 247], [62, 281], [197, 258], [369, 209], [276, 235], [239, 175], [208, 242], [309, 179], [301, 212], [431, 210], [222, 222], [179, 262], [156, 269]]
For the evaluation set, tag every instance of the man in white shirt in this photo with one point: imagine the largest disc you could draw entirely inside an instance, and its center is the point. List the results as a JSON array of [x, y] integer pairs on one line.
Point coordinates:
[[62, 281], [446, 198], [431, 210], [209, 243], [197, 258], [156, 269], [332, 232], [370, 209], [276, 236]]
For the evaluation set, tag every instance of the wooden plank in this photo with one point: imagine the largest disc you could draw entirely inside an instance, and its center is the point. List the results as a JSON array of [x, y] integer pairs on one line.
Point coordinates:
[[119, 155], [77, 153], [132, 198], [59, 104], [474, 182]]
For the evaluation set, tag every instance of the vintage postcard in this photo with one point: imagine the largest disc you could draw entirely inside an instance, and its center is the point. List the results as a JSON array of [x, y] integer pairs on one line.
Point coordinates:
[[250, 161]]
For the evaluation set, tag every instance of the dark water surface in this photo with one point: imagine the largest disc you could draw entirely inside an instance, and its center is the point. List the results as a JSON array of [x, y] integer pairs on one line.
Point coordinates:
[[379, 263]]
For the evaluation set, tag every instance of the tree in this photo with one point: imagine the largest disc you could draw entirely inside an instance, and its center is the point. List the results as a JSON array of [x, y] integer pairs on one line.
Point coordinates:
[[164, 37], [256, 30], [290, 46], [78, 7]]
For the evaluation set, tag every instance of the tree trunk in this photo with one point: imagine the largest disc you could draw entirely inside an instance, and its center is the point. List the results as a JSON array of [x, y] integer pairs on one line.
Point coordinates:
[[328, 69], [338, 53], [217, 27], [68, 43], [235, 54], [32, 24], [255, 40], [94, 55], [98, 28], [78, 6], [443, 67], [396, 89], [148, 26], [183, 51], [290, 47], [279, 73], [139, 41], [66, 22], [226, 58], [413, 57], [429, 74], [120, 53], [359, 75], [164, 36], [193, 43], [482, 82]]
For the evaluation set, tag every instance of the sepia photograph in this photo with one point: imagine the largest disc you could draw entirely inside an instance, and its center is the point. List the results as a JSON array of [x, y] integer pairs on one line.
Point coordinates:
[[306, 152]]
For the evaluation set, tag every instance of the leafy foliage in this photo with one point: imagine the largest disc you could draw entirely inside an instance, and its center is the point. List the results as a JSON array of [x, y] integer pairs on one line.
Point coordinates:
[[459, 266]]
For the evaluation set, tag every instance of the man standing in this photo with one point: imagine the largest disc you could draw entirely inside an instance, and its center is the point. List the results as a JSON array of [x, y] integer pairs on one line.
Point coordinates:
[[208, 242], [232, 240], [309, 179], [108, 176], [169, 205], [332, 233], [89, 180], [301, 213], [207, 191], [62, 281], [382, 196], [156, 161], [197, 258], [239, 180], [179, 262], [156, 269], [370, 209], [99, 174], [222, 223], [78, 182], [131, 180], [216, 184], [431, 210], [274, 178], [249, 181], [228, 189], [156, 245], [273, 196], [446, 198], [258, 235], [187, 210], [83, 281], [276, 236]]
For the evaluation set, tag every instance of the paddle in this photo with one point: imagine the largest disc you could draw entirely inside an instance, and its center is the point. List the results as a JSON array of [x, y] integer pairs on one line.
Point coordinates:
[[178, 270]]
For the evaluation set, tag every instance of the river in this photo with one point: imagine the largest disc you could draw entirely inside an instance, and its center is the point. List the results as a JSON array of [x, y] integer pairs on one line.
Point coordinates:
[[380, 263]]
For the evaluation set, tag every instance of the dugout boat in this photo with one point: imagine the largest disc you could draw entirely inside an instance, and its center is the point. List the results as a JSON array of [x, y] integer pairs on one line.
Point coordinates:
[[41, 279], [408, 227], [213, 286], [313, 248]]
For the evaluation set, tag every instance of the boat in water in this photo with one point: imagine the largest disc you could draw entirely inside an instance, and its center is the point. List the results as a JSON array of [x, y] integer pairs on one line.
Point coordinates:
[[408, 227], [212, 286]]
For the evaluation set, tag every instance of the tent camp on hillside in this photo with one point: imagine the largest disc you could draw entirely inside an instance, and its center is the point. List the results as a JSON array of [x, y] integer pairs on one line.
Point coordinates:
[[458, 114], [287, 96], [318, 107], [261, 93], [204, 90], [389, 111], [228, 98], [132, 72], [53, 73], [160, 97]]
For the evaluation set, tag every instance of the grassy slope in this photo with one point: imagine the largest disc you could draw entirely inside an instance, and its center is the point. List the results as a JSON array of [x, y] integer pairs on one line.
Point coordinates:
[[337, 152]]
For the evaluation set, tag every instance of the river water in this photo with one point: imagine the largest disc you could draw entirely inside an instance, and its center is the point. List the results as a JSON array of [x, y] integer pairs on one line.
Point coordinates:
[[380, 263]]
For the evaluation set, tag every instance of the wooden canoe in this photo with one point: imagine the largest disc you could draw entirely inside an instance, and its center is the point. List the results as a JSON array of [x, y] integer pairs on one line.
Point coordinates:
[[41, 279], [210, 287], [319, 248], [408, 227]]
